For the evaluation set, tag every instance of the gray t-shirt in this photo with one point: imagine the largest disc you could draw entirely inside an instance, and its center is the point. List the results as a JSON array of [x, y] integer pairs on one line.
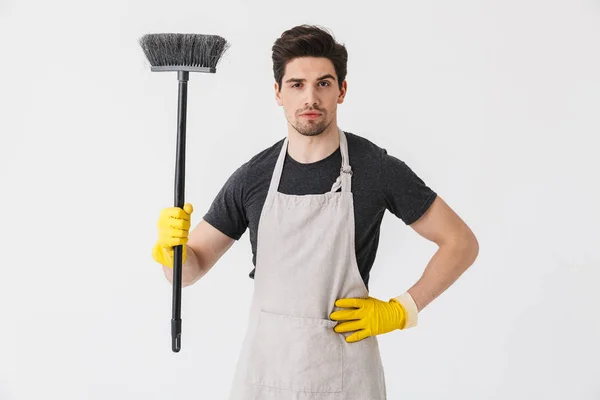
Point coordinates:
[[380, 182]]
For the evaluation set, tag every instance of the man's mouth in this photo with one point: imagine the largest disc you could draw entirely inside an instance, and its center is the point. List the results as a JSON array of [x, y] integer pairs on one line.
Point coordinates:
[[311, 115]]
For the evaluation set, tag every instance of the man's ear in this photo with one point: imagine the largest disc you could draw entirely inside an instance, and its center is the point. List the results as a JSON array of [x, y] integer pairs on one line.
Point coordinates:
[[343, 92], [277, 94]]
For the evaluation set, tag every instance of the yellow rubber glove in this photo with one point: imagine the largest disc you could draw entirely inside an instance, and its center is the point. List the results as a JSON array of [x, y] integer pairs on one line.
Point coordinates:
[[368, 317], [173, 229]]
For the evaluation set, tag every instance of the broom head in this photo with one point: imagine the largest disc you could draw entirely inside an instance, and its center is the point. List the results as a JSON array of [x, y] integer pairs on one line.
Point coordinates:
[[183, 51]]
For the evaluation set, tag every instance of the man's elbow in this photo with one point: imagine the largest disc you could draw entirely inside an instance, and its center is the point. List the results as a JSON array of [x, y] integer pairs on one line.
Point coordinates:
[[469, 247], [464, 244]]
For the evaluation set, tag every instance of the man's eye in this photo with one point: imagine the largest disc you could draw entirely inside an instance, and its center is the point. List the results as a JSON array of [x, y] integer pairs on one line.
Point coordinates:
[[297, 84]]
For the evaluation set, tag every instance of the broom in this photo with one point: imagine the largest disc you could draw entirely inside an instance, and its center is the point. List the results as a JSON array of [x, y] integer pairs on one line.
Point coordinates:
[[183, 53]]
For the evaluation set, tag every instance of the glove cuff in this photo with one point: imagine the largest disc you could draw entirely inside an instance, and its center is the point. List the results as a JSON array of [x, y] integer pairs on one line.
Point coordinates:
[[409, 306]]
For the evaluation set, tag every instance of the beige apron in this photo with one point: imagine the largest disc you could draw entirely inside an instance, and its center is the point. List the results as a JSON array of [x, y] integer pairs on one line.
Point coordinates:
[[306, 260]]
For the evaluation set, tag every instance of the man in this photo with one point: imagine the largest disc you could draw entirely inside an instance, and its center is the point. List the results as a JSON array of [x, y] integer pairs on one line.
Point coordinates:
[[314, 202]]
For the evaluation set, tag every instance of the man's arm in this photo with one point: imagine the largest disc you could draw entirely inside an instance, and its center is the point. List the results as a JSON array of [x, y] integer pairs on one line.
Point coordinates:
[[205, 246], [405, 194], [458, 249]]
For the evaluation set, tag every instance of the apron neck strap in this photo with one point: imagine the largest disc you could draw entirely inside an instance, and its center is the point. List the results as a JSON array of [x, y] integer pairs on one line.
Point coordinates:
[[343, 181]]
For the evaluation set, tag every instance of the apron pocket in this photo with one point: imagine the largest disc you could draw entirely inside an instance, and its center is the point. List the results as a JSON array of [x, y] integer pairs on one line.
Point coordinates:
[[295, 353]]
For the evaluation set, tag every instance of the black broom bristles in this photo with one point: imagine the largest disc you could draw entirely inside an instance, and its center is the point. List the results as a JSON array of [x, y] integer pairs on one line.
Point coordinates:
[[183, 51]]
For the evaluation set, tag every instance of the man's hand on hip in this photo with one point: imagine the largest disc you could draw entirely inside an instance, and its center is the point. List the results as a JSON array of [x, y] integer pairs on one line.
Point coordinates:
[[368, 317]]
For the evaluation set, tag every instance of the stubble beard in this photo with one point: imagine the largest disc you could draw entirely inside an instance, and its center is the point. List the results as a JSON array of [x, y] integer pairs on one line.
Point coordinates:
[[311, 128]]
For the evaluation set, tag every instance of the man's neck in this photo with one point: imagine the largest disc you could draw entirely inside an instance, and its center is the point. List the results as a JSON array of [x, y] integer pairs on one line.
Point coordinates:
[[310, 149]]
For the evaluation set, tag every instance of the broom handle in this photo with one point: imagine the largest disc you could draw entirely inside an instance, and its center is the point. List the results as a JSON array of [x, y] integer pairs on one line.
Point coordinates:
[[182, 77]]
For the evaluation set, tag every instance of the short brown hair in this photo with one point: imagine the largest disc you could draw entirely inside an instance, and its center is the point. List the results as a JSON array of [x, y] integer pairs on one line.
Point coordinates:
[[308, 41]]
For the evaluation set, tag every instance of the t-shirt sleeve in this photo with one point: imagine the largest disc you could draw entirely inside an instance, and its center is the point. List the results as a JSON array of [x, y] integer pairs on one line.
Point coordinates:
[[227, 212], [405, 194]]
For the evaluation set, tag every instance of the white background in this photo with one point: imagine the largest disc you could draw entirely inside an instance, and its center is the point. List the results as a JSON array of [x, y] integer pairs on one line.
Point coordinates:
[[493, 104]]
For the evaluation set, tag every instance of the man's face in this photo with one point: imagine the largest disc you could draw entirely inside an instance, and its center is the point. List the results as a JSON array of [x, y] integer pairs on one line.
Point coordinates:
[[310, 94]]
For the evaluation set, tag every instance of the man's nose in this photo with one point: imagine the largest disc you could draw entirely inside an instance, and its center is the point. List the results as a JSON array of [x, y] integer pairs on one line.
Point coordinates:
[[312, 97]]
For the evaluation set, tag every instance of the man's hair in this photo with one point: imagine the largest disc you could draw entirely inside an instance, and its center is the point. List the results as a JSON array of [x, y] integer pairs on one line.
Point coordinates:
[[308, 41]]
